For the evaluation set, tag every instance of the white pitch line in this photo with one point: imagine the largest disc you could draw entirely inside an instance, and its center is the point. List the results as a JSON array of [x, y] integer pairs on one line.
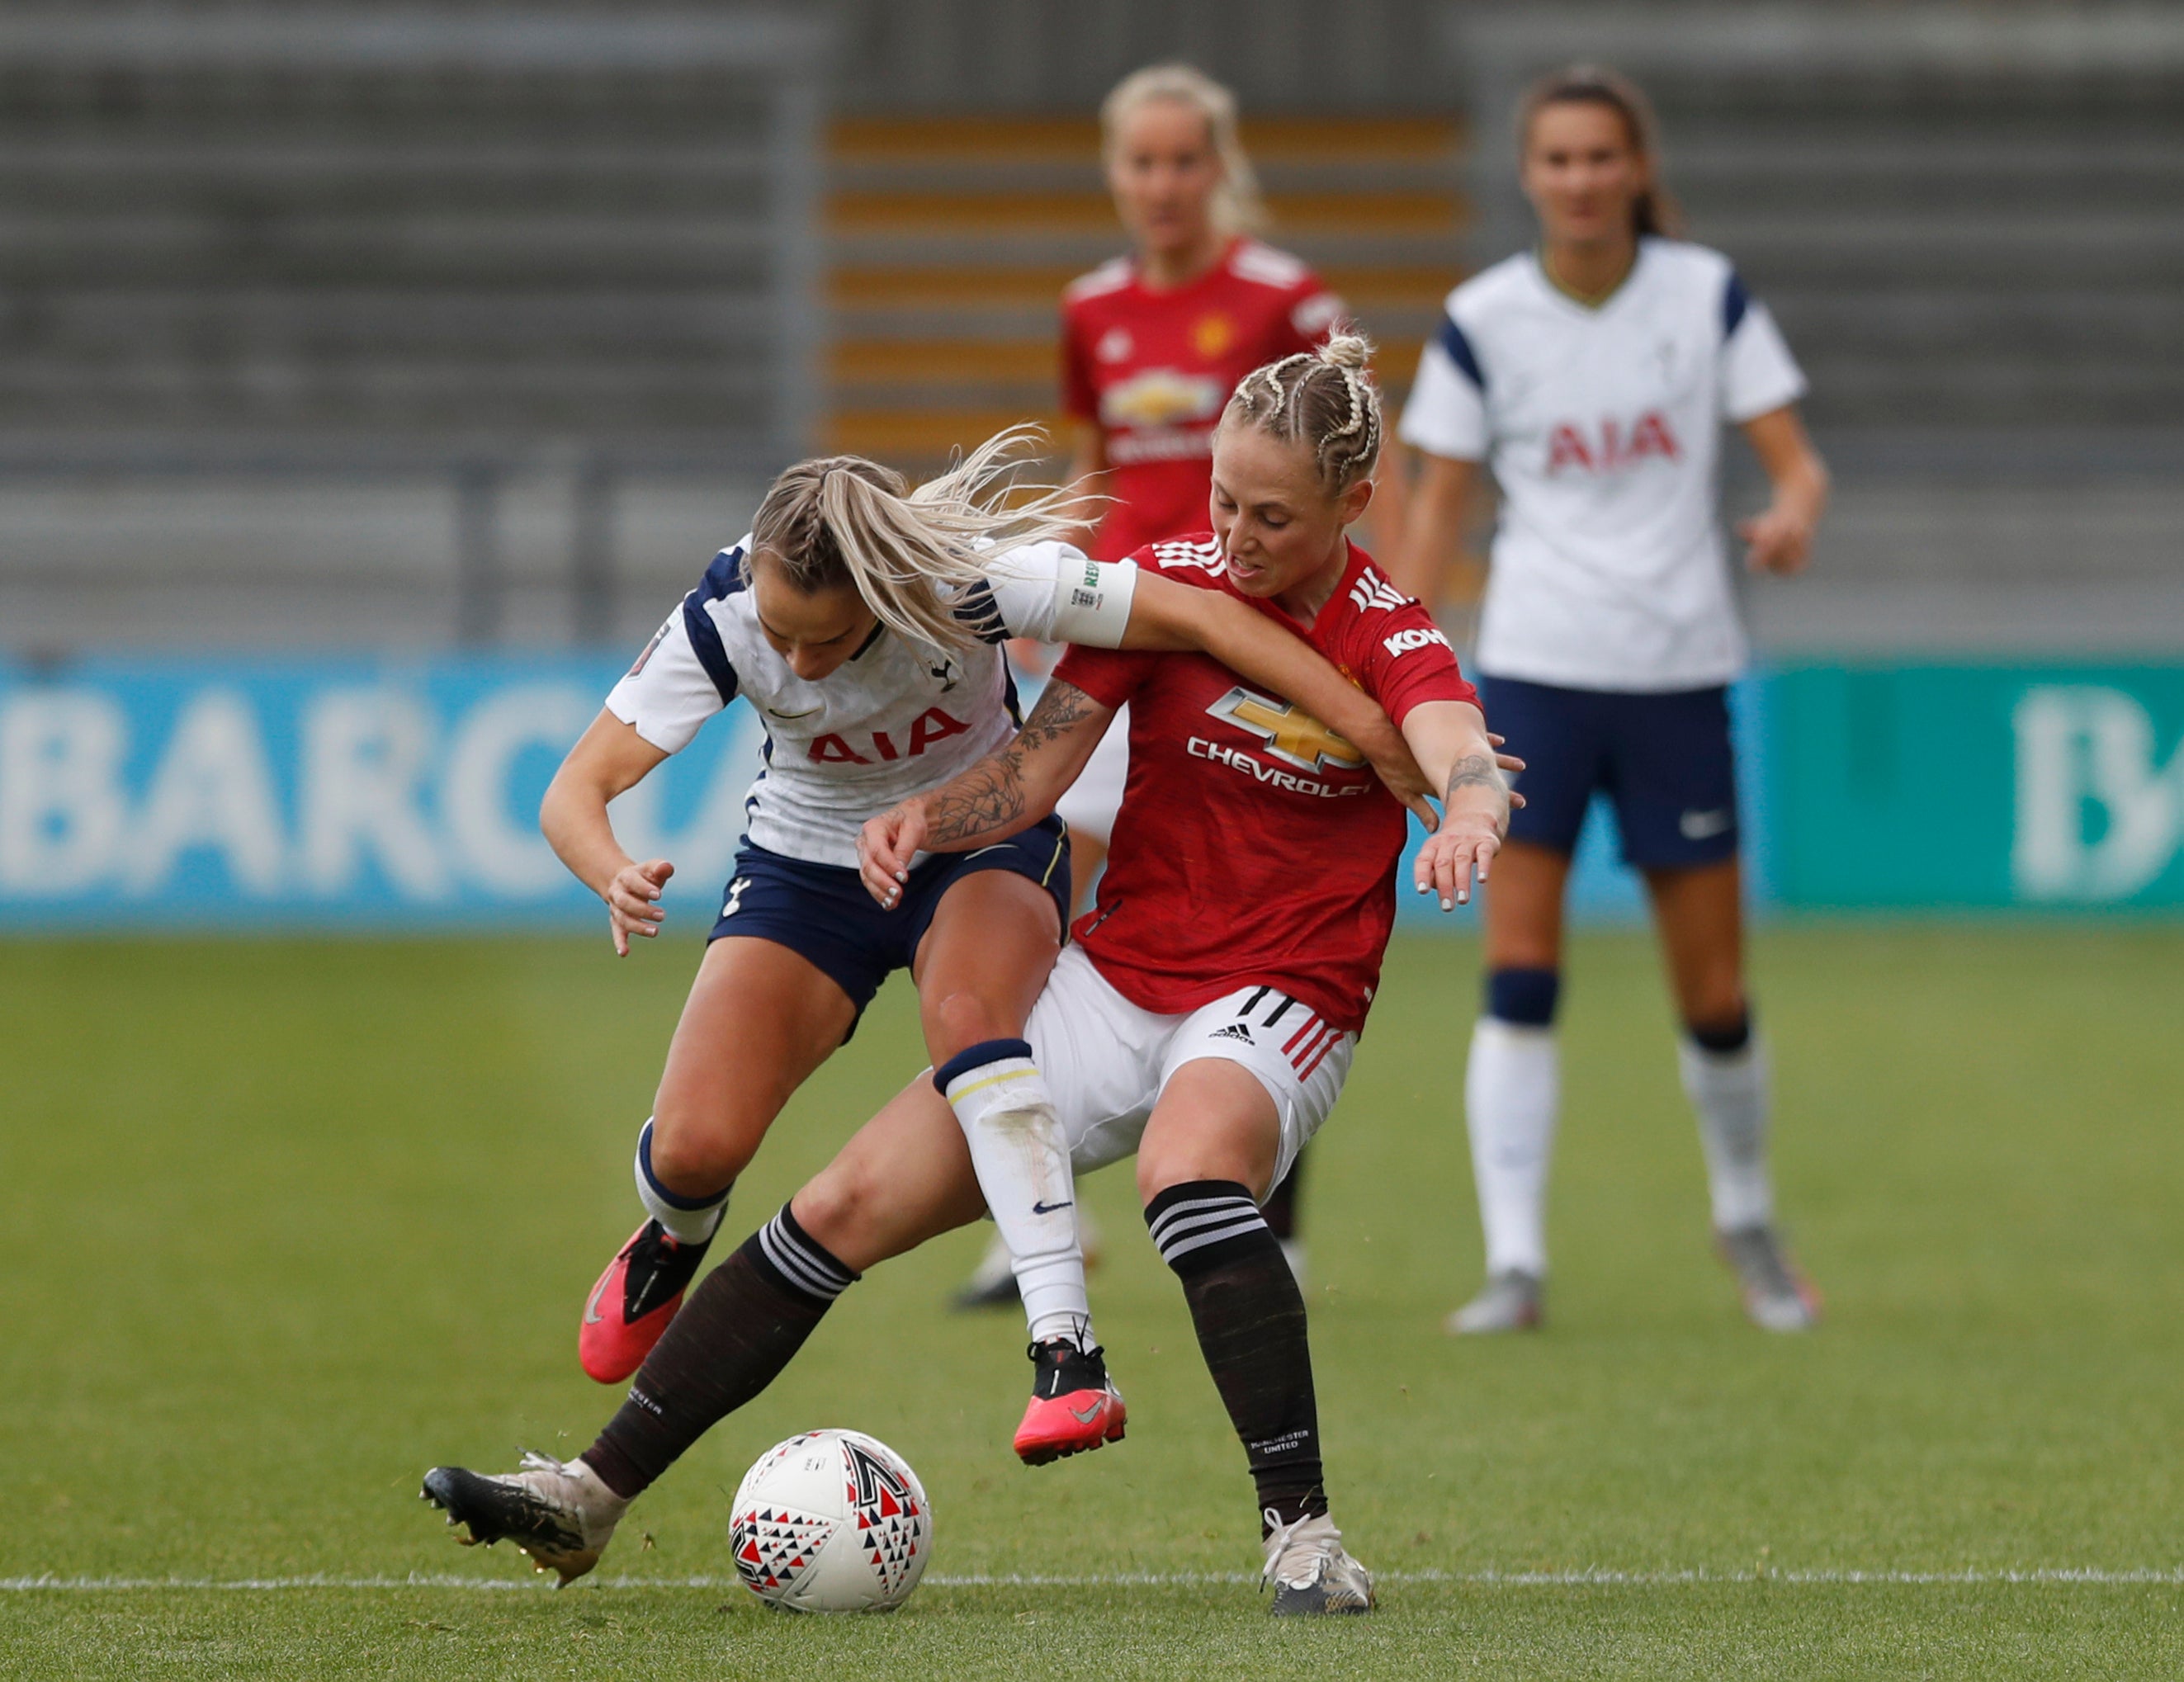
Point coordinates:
[[2170, 1576]]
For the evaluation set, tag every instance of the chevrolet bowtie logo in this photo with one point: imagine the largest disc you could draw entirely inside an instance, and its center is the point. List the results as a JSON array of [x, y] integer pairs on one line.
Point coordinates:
[[1291, 733]]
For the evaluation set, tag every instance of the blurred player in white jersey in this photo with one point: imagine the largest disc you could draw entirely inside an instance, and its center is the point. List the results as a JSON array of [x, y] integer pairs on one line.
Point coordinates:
[[1593, 375], [1152, 344], [863, 620]]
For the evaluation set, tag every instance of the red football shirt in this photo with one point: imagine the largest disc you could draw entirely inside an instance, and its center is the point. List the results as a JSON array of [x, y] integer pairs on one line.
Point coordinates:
[[1254, 844], [1153, 369]]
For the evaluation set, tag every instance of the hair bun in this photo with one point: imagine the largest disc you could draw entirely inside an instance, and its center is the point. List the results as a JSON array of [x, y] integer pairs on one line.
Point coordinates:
[[1346, 350]]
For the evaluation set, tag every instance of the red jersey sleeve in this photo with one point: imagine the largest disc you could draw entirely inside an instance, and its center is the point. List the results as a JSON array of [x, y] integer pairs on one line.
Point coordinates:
[[1110, 675], [1079, 397], [1402, 660]]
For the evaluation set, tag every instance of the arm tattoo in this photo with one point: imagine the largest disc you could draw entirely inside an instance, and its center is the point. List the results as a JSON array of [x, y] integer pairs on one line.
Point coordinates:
[[1473, 771], [990, 795]]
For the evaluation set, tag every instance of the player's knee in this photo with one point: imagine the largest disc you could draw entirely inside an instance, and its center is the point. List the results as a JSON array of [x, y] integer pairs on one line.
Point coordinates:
[[694, 1158], [835, 1206], [1525, 997], [959, 1019], [1160, 1169], [1157, 1173], [1723, 1032]]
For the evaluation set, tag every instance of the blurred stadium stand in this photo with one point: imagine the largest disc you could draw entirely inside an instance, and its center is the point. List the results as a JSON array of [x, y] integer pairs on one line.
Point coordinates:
[[348, 325], [952, 238]]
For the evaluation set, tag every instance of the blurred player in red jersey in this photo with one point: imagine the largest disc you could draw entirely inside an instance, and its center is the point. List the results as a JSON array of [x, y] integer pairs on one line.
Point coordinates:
[[1204, 1020], [1152, 344]]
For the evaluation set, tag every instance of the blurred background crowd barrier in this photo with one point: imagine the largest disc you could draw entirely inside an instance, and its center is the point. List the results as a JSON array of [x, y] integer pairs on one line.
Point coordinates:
[[373, 379]]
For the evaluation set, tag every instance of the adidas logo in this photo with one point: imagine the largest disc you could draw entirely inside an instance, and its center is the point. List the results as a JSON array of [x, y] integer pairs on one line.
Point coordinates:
[[1234, 1031], [1373, 591]]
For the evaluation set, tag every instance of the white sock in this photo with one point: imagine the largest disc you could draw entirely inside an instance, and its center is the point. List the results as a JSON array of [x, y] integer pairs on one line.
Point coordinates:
[[687, 1220], [1730, 1090], [1512, 1090], [1001, 1099]]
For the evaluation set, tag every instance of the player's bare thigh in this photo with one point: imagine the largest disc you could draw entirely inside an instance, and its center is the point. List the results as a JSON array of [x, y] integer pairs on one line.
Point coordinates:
[[1524, 907], [758, 1020], [979, 970], [905, 1177], [1214, 1122]]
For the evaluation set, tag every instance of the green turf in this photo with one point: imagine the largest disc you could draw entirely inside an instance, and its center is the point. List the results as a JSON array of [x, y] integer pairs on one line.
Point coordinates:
[[282, 1225]]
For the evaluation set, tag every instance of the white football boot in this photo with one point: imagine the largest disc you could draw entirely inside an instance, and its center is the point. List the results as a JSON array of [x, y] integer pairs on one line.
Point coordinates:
[[1509, 1301], [1312, 1572], [1777, 1296], [559, 1512]]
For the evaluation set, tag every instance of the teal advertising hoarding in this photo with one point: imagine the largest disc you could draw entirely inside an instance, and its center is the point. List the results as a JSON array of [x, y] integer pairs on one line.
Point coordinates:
[[357, 792], [2029, 787]]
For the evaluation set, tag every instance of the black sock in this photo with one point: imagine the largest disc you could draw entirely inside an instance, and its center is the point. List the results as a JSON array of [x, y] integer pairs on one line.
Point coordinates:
[[731, 1339], [1722, 1038], [1280, 1208], [1250, 1316]]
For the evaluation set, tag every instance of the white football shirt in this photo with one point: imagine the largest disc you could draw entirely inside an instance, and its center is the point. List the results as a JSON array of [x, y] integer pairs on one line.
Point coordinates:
[[893, 719], [1603, 429]]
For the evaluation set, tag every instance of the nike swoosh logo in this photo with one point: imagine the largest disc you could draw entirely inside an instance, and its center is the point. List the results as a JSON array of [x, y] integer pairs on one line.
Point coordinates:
[[806, 713], [1085, 1415], [591, 1315], [1047, 1208]]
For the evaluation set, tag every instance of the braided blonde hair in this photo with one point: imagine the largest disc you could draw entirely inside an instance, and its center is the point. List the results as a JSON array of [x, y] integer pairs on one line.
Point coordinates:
[[1324, 398], [842, 521]]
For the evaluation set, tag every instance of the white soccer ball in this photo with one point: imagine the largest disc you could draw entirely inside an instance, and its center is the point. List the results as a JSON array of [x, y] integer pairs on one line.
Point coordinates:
[[831, 1521]]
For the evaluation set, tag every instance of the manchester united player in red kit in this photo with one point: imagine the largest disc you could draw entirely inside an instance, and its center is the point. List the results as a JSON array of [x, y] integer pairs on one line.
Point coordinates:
[[1205, 1020], [1152, 344]]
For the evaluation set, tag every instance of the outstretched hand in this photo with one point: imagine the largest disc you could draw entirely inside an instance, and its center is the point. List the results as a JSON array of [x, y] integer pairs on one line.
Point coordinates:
[[1467, 843], [1777, 541], [632, 897], [885, 847]]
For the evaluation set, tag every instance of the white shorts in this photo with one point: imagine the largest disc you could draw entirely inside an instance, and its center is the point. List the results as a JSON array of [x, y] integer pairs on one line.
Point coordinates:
[[1090, 804], [1106, 1062]]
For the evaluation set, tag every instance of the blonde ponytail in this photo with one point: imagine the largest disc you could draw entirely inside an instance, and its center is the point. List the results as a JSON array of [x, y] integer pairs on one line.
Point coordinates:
[[1324, 398], [1237, 207], [842, 521]]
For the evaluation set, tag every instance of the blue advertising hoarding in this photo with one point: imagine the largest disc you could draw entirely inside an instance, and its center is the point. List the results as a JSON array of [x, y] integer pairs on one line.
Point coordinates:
[[310, 792], [157, 793]]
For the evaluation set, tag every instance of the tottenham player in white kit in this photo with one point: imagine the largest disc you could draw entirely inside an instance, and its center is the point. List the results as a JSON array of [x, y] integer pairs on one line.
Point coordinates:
[[864, 621], [1593, 376]]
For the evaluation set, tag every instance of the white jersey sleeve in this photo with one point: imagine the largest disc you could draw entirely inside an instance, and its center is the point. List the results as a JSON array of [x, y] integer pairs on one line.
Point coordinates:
[[1052, 592], [1446, 412], [1759, 375], [683, 676]]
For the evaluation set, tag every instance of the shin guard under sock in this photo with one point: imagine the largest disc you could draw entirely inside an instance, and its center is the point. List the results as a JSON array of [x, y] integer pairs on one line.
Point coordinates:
[[1022, 1163], [1250, 1318]]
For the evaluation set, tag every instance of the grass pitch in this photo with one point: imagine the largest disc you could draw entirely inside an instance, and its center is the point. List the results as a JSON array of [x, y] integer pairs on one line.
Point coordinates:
[[284, 1224]]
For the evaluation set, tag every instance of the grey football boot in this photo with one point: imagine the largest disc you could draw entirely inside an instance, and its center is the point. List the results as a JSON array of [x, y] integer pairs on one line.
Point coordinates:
[[1312, 1574], [1777, 1296], [1509, 1301], [558, 1512]]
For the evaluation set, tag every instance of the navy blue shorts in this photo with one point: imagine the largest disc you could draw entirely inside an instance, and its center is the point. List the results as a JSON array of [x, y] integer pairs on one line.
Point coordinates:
[[1663, 760], [824, 913]]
